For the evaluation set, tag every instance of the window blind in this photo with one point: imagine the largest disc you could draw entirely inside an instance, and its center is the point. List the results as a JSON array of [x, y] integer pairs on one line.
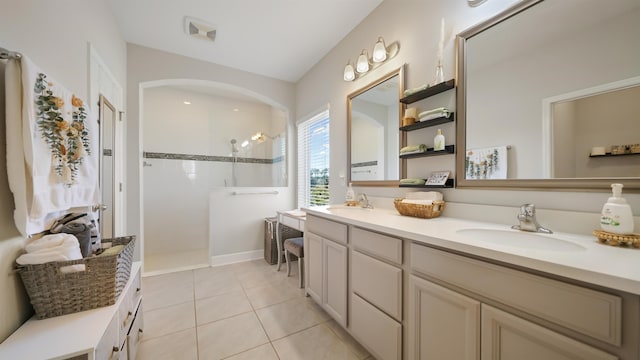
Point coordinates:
[[313, 160]]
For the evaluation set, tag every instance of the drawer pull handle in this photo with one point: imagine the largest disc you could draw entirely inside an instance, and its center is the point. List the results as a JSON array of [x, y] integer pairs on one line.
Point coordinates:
[[126, 319]]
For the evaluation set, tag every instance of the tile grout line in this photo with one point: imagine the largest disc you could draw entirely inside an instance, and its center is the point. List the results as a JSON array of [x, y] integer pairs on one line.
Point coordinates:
[[195, 314]]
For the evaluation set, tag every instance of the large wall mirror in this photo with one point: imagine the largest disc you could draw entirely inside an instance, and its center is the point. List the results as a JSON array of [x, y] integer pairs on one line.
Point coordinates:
[[548, 97], [374, 140]]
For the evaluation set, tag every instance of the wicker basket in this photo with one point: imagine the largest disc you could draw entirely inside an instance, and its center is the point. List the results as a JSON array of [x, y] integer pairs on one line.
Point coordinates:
[[420, 210], [54, 293]]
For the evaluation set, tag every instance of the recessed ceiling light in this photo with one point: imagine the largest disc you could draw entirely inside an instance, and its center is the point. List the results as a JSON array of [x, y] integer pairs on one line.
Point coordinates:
[[236, 109], [186, 102]]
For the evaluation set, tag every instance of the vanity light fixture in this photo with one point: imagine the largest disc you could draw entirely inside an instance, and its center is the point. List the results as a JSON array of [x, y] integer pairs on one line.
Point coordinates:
[[362, 65], [381, 53], [349, 73]]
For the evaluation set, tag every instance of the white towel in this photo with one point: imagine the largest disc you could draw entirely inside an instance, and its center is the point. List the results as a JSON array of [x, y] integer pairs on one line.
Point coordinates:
[[57, 247], [486, 163], [424, 195], [53, 139], [417, 202], [50, 241]]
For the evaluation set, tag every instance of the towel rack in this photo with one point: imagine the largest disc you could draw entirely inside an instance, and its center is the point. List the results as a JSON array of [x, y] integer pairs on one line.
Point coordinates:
[[255, 193], [6, 54]]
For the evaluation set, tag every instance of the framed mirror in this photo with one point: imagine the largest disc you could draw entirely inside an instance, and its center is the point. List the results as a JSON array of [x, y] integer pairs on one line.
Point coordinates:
[[373, 136], [545, 97]]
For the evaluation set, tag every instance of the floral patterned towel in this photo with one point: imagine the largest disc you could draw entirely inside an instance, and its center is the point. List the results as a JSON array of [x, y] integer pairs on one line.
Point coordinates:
[[487, 163], [53, 164]]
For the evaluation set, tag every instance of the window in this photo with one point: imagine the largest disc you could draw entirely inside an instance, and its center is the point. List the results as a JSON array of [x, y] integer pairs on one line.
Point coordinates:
[[313, 160]]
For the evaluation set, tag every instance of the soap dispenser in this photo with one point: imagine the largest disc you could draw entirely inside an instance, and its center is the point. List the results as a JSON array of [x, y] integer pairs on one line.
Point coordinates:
[[438, 141], [350, 198], [616, 214]]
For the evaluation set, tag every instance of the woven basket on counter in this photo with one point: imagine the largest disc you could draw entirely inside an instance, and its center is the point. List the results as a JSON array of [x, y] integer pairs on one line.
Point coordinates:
[[420, 210], [54, 293]]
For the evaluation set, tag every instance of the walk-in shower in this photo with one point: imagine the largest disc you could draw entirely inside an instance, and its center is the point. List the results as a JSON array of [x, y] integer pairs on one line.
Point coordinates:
[[215, 180]]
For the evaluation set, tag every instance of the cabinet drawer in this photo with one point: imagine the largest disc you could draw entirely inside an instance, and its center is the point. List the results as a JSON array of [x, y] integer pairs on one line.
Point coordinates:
[[291, 222], [552, 300], [377, 282], [108, 347], [385, 247], [327, 228], [135, 334], [380, 333], [505, 336], [129, 304]]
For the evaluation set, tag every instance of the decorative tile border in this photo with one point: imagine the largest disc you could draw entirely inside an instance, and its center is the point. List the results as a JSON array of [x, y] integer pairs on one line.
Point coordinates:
[[172, 156], [367, 163]]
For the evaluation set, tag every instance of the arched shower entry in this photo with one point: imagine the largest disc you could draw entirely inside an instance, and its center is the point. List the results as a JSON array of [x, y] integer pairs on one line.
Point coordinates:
[[214, 165]]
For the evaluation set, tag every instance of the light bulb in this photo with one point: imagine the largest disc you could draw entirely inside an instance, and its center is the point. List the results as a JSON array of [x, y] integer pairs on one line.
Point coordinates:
[[379, 51], [362, 65], [349, 74]]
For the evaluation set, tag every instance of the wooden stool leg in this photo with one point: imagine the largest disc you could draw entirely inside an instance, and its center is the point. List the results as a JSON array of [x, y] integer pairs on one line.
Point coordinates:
[[286, 256], [301, 271]]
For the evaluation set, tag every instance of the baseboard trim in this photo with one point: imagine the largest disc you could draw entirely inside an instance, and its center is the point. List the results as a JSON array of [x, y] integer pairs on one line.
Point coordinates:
[[227, 259]]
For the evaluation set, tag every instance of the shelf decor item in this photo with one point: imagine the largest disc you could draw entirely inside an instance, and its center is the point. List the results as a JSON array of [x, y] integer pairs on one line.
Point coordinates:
[[439, 70]]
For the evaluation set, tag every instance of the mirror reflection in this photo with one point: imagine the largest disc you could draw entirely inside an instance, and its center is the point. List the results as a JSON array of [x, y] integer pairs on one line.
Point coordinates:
[[534, 101], [373, 123]]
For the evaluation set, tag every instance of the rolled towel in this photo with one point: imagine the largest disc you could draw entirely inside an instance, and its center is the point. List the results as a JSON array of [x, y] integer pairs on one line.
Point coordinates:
[[424, 195], [413, 149], [439, 110], [82, 232], [415, 90], [45, 256], [47, 242], [112, 250], [412, 182], [417, 202], [434, 116]]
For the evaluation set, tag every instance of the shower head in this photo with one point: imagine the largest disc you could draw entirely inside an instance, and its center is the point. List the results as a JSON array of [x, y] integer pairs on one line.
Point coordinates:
[[234, 148]]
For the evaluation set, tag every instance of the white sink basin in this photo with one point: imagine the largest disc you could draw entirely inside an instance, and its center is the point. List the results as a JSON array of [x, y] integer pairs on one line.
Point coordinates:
[[521, 239]]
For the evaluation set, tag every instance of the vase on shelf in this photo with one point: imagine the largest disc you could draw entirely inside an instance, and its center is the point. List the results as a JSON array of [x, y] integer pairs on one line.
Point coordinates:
[[439, 74]]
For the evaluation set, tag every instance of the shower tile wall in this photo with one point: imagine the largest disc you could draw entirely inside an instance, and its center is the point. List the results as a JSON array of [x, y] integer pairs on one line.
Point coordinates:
[[176, 187]]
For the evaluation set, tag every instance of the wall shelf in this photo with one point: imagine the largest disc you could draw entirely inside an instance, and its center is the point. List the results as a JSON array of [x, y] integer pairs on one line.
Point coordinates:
[[430, 91], [612, 155], [447, 185], [448, 149], [428, 123]]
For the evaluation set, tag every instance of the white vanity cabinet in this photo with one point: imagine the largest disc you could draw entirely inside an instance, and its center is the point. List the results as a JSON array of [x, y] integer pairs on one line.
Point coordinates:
[[326, 252], [106, 333], [466, 308], [376, 292]]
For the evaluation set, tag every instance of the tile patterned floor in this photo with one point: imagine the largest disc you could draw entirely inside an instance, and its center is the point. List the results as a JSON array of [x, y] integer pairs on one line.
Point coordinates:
[[243, 311]]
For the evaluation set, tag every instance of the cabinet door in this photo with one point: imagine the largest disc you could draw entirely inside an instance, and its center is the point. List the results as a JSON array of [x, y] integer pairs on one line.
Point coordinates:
[[443, 324], [335, 281], [313, 265], [508, 337]]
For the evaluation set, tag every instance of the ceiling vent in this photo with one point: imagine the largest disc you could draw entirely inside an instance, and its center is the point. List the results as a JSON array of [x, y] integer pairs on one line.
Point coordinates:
[[199, 29]]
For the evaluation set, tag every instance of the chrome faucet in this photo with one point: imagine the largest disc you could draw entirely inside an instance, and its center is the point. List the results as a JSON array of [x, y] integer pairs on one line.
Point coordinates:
[[528, 222], [364, 201]]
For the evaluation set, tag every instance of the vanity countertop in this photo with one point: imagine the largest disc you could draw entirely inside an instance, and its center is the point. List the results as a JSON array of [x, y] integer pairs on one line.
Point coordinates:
[[587, 260]]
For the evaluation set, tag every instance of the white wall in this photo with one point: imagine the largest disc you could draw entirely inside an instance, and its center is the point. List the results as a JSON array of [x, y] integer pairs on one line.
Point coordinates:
[[416, 25], [55, 36]]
